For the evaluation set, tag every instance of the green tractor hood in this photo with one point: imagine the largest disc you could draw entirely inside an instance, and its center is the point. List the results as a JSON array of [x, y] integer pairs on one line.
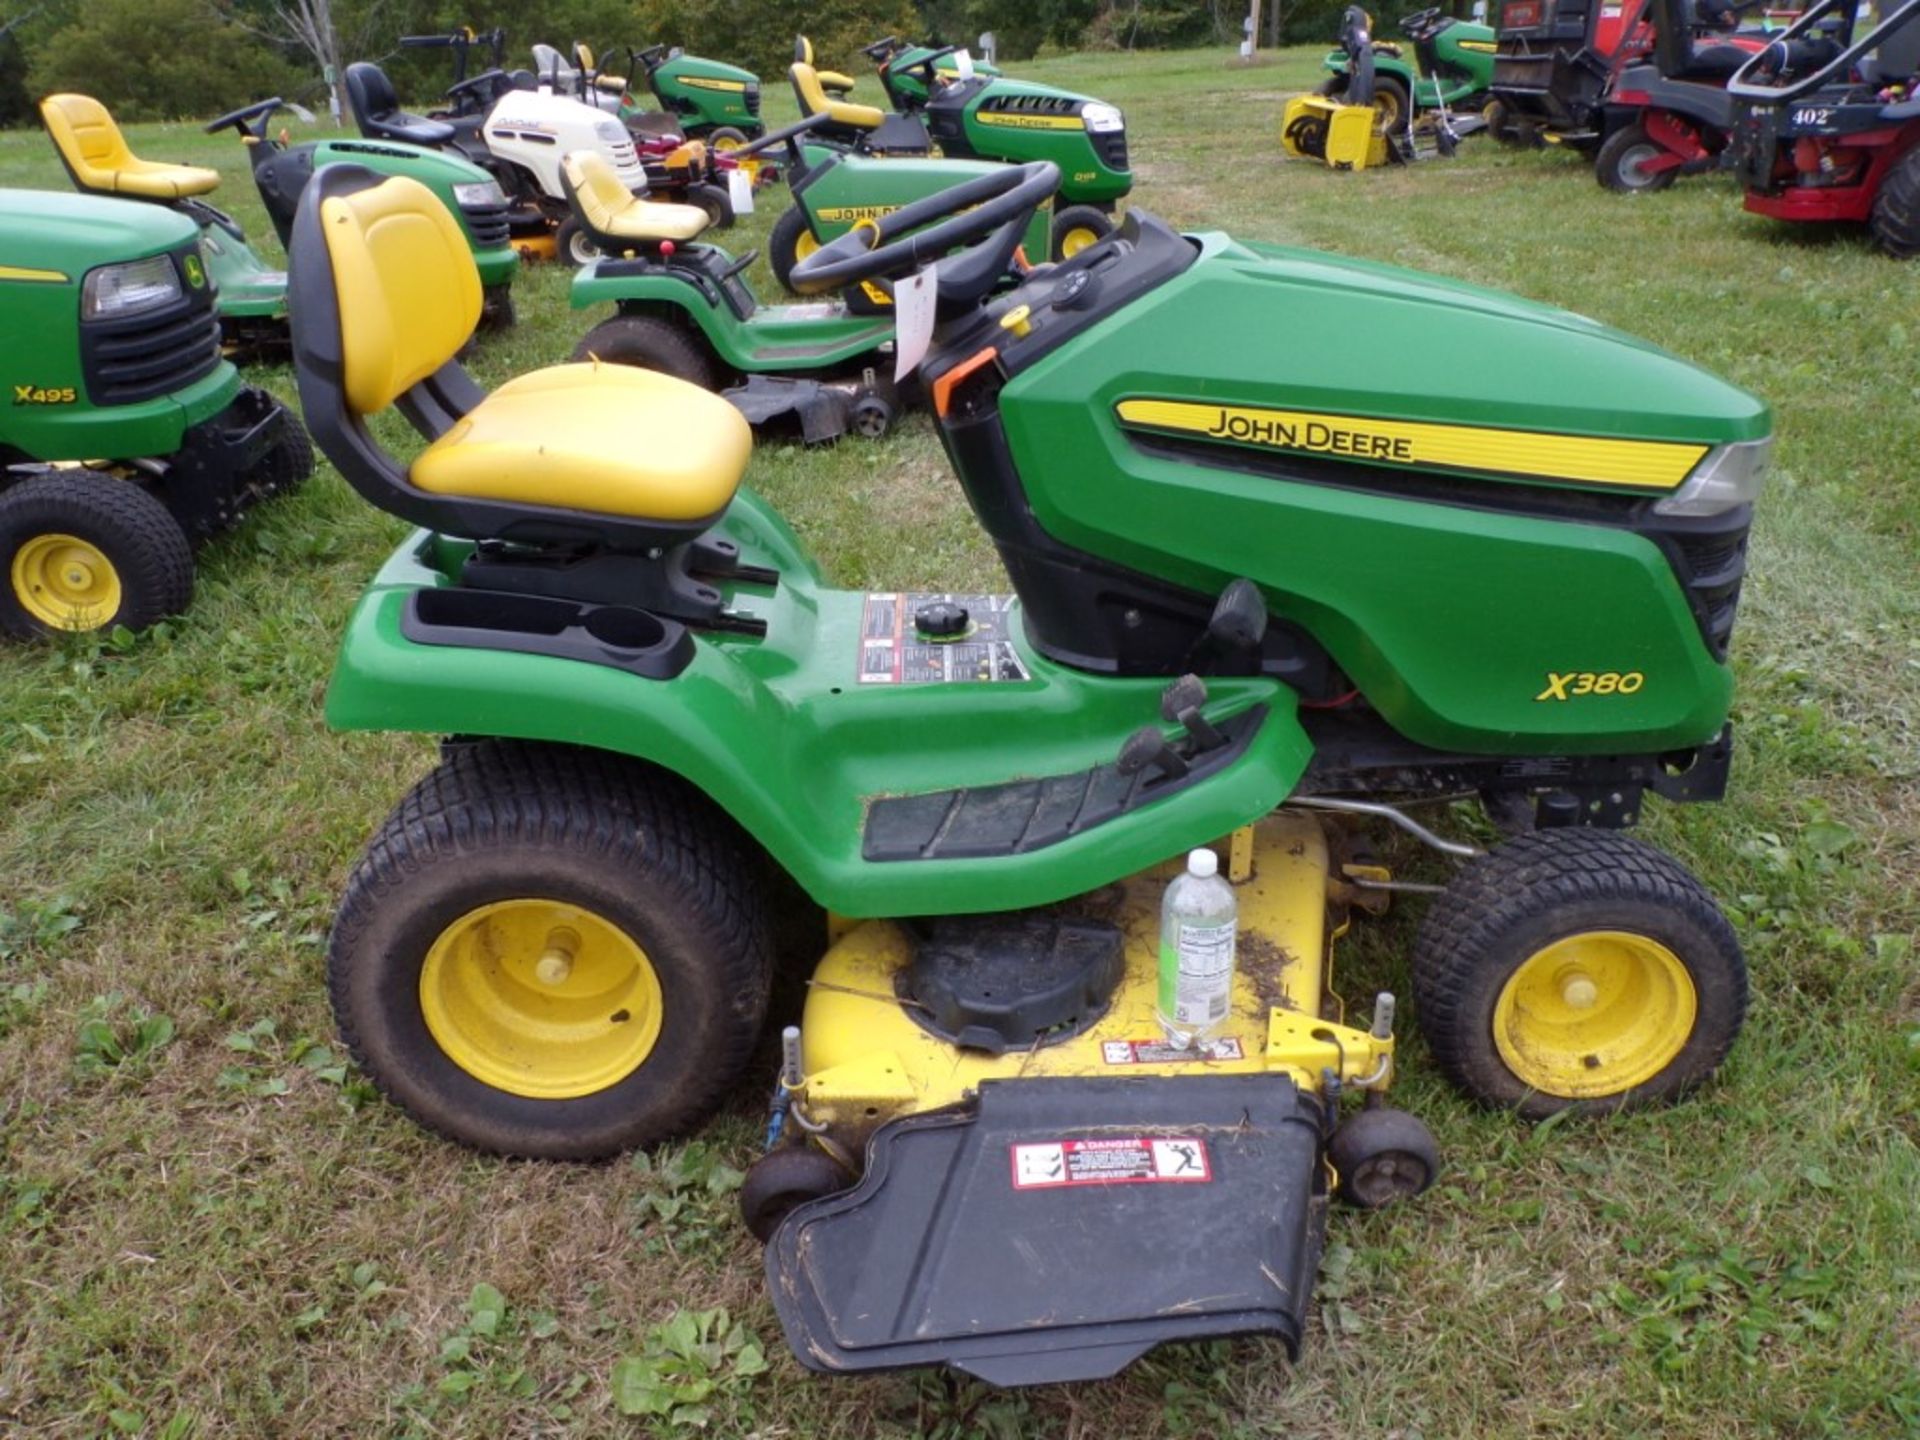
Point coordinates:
[[61, 235]]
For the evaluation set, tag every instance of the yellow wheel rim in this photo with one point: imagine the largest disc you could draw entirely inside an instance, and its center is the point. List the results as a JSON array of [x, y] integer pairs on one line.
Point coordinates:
[[541, 999], [1076, 240], [804, 246], [727, 146], [1386, 112], [1594, 1014], [65, 582]]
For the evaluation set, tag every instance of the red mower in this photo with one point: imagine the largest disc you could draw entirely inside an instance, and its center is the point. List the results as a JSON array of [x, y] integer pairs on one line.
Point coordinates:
[[1674, 117], [1831, 128]]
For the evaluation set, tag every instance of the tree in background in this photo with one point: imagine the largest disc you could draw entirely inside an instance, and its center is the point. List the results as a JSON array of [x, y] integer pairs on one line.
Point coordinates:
[[759, 35], [158, 59]]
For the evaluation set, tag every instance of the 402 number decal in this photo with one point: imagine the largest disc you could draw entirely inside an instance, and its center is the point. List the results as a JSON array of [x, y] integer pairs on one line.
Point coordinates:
[[1575, 683]]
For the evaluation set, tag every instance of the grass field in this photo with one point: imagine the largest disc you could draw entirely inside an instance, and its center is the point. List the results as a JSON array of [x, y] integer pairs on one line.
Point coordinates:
[[210, 1227]]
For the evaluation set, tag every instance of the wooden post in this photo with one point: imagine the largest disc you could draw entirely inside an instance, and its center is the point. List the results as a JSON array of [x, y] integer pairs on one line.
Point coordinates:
[[1253, 32]]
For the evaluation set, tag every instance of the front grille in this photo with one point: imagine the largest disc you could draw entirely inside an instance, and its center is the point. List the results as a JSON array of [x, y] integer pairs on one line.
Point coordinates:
[[1709, 557], [752, 97], [153, 353], [1032, 105], [1111, 147], [487, 224]]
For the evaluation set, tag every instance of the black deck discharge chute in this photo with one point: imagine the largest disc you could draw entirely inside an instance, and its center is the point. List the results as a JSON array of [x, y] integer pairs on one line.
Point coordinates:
[[1172, 1210]]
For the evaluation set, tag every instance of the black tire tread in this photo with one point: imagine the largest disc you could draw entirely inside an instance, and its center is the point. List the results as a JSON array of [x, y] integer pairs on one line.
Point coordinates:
[[585, 803], [651, 342], [1537, 874], [132, 527], [1606, 164], [290, 463], [1072, 217], [1895, 222]]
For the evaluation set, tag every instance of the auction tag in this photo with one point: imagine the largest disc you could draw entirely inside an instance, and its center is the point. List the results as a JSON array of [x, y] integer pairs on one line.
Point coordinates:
[[740, 191], [1130, 1160], [963, 64], [913, 300], [1159, 1052]]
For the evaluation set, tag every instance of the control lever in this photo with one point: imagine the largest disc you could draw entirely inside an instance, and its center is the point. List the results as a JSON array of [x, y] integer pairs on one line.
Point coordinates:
[[1148, 748], [1235, 632], [1181, 704]]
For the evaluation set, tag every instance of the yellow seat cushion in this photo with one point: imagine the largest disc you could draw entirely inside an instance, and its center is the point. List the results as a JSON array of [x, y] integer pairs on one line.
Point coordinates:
[[603, 439], [97, 154], [814, 100], [834, 83], [608, 208]]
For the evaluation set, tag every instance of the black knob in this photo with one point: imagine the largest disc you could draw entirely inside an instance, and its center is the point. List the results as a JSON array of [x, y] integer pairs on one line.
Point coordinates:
[[1189, 692], [941, 620], [1147, 747]]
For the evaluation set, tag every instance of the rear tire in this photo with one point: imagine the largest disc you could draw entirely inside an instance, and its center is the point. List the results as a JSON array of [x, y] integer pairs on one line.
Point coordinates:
[[434, 988], [1577, 968], [82, 551], [649, 343], [1501, 124], [788, 242], [1895, 222], [1617, 166], [1075, 228]]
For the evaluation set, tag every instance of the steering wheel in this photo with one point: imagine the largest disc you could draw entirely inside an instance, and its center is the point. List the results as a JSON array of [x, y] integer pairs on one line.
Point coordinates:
[[1422, 23], [986, 218], [650, 57], [489, 80], [880, 49], [238, 119], [924, 65]]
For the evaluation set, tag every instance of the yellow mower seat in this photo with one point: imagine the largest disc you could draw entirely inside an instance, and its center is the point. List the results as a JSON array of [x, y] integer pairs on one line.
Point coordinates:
[[566, 436], [613, 216], [98, 156], [605, 440], [814, 100]]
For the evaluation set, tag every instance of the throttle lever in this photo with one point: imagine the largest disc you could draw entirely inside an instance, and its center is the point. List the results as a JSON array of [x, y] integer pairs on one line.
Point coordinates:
[[1181, 703], [1147, 747]]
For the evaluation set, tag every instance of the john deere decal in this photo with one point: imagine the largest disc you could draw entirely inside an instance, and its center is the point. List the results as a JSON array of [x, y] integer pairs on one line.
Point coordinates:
[[1641, 464]]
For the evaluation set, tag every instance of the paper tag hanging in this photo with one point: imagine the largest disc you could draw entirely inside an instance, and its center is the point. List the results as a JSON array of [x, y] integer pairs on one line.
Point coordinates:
[[740, 191], [913, 303]]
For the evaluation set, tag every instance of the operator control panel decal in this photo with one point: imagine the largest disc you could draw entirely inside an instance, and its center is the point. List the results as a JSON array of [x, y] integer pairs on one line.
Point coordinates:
[[1572, 684], [1127, 1160], [1589, 460], [893, 652]]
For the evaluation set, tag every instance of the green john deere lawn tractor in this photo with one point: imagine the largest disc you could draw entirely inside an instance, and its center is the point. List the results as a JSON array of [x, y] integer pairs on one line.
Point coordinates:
[[863, 162], [1264, 595], [1451, 69], [125, 437], [251, 294]]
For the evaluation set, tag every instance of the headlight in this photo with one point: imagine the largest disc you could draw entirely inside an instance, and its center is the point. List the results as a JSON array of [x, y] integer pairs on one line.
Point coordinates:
[[1730, 475], [611, 132], [115, 290], [1101, 117], [480, 192]]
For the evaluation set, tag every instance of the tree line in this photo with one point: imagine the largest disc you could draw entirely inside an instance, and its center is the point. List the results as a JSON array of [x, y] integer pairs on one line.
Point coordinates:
[[174, 59]]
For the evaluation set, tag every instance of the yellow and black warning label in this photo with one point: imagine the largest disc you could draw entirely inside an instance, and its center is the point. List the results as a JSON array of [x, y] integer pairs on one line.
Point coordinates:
[[1159, 1052], [708, 82], [1587, 459], [1125, 1160]]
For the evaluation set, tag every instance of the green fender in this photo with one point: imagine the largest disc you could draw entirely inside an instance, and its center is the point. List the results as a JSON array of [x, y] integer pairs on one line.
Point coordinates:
[[804, 337], [779, 732], [842, 189]]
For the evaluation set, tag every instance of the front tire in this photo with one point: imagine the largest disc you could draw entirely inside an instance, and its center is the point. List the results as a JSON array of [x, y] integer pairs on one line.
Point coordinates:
[[552, 953], [1577, 968], [789, 242], [82, 552], [1618, 165], [1895, 222], [715, 201], [650, 343], [289, 464], [1075, 227], [574, 245]]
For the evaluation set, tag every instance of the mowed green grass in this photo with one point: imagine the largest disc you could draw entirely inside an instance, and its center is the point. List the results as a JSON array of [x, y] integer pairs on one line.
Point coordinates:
[[208, 1227]]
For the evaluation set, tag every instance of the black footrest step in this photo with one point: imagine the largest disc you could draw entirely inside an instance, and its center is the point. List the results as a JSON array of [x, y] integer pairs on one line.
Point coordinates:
[[1057, 1230]]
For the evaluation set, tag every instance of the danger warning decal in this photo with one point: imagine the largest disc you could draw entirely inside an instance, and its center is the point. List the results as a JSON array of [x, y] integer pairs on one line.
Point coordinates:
[[894, 652], [1158, 1052], [1134, 1160]]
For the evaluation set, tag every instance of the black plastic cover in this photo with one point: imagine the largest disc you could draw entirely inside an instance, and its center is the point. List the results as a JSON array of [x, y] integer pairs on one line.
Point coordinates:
[[938, 1256], [1002, 982]]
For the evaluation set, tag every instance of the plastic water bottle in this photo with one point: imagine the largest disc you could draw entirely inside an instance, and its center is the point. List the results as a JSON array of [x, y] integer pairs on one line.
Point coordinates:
[[1199, 924]]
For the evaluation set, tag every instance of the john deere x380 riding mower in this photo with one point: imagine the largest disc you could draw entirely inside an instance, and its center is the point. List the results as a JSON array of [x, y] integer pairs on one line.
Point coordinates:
[[1263, 595], [124, 437]]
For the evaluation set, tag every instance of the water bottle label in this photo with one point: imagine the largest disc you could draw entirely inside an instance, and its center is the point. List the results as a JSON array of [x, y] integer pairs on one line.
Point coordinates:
[[1196, 982]]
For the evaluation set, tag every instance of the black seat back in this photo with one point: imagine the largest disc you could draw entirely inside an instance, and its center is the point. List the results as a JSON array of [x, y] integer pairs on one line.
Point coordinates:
[[376, 109]]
